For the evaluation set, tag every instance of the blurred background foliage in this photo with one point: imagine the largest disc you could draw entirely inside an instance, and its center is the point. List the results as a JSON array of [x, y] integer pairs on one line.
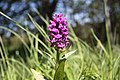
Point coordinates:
[[82, 14]]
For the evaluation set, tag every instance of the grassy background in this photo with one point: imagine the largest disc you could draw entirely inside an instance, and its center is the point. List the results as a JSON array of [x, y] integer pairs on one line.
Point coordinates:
[[85, 63]]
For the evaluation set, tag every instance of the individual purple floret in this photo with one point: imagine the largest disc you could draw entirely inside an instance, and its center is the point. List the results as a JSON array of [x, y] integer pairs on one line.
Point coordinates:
[[58, 31]]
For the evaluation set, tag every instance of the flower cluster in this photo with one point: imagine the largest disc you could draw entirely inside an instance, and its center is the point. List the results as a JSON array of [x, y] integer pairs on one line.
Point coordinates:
[[58, 31]]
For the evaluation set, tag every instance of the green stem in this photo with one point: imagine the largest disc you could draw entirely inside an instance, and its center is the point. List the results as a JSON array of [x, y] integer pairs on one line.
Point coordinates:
[[109, 35], [57, 59]]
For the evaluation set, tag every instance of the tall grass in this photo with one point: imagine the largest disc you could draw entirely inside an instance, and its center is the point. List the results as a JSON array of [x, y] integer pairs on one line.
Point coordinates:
[[83, 62], [109, 36]]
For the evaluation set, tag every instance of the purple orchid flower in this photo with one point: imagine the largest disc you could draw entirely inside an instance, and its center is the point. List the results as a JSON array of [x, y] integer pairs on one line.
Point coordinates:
[[58, 29]]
